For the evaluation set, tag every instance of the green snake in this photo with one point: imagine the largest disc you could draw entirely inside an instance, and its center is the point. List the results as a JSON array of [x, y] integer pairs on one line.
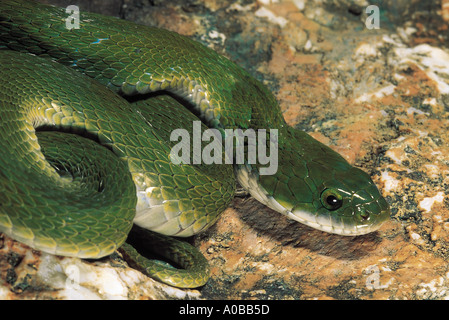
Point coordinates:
[[86, 119]]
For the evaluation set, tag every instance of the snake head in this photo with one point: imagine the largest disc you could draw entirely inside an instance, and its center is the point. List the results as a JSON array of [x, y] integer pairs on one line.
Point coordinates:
[[350, 204], [317, 187], [345, 203]]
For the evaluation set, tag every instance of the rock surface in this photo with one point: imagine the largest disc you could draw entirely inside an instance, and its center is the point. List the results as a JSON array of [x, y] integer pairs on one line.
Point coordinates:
[[380, 97]]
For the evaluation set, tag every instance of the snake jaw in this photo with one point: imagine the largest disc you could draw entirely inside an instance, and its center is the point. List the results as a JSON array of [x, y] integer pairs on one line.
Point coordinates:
[[334, 226]]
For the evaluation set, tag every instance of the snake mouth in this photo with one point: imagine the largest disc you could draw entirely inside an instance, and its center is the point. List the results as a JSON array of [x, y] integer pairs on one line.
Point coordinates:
[[338, 225]]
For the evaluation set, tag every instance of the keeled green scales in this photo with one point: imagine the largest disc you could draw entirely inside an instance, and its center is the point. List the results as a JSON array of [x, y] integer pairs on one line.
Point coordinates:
[[63, 101]]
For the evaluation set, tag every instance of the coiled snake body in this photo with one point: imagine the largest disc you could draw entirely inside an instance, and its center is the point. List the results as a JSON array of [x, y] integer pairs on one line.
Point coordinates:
[[81, 135]]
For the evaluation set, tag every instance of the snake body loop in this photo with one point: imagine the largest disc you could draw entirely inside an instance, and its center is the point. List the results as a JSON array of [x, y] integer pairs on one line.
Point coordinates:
[[73, 97]]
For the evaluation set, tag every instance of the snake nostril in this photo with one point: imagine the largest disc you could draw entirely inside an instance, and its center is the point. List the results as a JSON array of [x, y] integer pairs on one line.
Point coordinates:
[[365, 215]]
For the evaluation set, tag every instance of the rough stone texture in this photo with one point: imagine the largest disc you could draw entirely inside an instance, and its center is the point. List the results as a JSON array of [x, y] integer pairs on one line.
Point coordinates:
[[28, 274], [380, 97]]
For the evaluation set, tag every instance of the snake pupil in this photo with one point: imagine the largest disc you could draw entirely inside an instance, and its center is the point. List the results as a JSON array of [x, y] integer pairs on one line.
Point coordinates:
[[333, 202]]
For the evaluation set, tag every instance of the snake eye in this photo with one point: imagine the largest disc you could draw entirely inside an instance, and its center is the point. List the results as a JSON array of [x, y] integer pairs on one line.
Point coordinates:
[[331, 199]]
